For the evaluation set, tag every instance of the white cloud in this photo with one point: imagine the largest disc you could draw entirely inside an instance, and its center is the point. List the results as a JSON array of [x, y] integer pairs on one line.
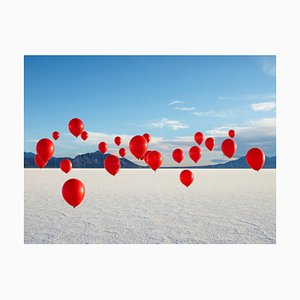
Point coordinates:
[[269, 68], [263, 106], [188, 139], [97, 137], [31, 141], [185, 108], [260, 133], [213, 113], [220, 131], [176, 102], [250, 97], [167, 123], [264, 127]]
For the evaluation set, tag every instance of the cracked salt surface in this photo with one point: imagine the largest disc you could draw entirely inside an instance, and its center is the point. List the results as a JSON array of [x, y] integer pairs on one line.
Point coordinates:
[[140, 206]]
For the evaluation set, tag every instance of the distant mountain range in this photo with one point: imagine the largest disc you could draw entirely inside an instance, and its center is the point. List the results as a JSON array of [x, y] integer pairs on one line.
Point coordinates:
[[96, 159], [240, 163], [87, 160]]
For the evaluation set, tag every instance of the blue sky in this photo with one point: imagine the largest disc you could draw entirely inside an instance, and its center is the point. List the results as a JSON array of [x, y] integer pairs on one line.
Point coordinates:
[[170, 97]]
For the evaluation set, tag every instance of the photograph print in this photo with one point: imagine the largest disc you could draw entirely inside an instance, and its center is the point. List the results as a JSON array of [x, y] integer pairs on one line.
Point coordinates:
[[150, 149]]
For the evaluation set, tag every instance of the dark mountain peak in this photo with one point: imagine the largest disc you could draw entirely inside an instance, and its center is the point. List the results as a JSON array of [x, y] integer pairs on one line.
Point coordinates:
[[29, 155]]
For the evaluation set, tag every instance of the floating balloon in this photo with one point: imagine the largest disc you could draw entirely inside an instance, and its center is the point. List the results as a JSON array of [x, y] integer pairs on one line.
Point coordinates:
[[84, 135], [255, 158], [228, 147], [210, 143], [138, 146], [186, 177], [112, 164], [195, 153], [154, 160], [199, 137], [147, 137], [118, 140], [178, 155], [76, 126], [144, 157], [66, 165], [73, 192], [122, 152], [55, 135], [45, 149], [231, 133], [102, 147], [39, 162]]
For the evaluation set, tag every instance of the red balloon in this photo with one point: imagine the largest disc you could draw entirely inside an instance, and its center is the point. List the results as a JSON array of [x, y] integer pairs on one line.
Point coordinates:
[[66, 165], [186, 177], [112, 164], [55, 135], [118, 140], [73, 192], [228, 147], [84, 135], [199, 137], [178, 155], [154, 160], [138, 146], [195, 153], [231, 133], [76, 126], [39, 162], [147, 137], [122, 152], [45, 149], [102, 147], [210, 143], [255, 158], [144, 157]]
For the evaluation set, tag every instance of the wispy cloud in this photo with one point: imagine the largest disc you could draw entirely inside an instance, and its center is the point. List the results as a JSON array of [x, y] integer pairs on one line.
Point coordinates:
[[31, 141], [185, 108], [213, 113], [97, 137], [259, 133], [269, 68], [263, 106], [184, 139], [167, 123], [176, 102], [263, 127], [250, 97]]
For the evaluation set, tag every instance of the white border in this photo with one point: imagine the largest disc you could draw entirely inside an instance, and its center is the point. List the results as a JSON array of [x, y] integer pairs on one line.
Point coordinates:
[[163, 271]]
